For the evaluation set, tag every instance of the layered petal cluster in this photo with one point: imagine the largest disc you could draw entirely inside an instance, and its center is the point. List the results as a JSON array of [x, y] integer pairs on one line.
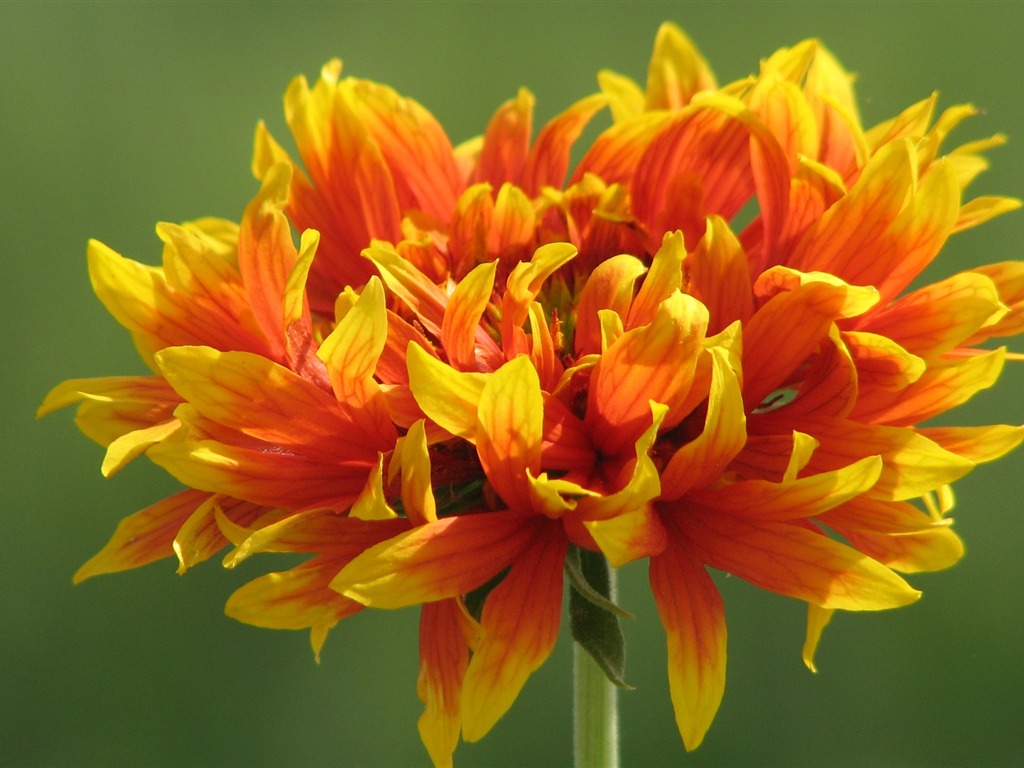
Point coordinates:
[[707, 346]]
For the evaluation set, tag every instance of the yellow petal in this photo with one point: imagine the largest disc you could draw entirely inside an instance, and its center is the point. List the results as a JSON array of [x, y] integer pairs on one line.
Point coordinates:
[[694, 619]]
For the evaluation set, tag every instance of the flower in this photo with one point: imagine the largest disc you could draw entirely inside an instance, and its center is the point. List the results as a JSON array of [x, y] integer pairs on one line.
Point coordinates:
[[706, 346]]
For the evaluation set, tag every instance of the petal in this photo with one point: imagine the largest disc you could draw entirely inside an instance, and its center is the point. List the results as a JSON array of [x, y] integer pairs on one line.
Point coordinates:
[[200, 537], [448, 397], [298, 598], [609, 286], [111, 406], [912, 464], [629, 535], [653, 362], [143, 537], [817, 619], [664, 278], [417, 492], [134, 444], [267, 255], [549, 157], [692, 613], [887, 228], [719, 277], [944, 385], [431, 562], [936, 318], [759, 500], [460, 330], [510, 430], [444, 656], [351, 352], [701, 461], [792, 560], [506, 142], [677, 70], [519, 626], [259, 398], [976, 444], [414, 146], [410, 285]]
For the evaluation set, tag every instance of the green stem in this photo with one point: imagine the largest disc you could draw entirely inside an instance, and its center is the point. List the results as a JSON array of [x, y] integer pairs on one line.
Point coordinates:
[[595, 710]]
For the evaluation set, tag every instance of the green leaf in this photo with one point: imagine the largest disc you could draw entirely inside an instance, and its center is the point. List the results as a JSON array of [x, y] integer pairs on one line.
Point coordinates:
[[593, 617]]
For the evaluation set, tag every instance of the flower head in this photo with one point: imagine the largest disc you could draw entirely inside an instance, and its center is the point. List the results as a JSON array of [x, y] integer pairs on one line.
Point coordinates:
[[706, 346]]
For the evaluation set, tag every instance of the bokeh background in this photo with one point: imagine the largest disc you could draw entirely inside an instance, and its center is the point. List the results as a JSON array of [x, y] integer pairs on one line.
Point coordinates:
[[116, 116]]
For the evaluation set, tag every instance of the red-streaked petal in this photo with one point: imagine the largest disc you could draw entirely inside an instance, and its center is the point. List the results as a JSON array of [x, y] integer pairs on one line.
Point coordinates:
[[790, 559], [145, 536], [200, 537], [444, 656], [460, 330], [510, 430], [933, 320], [549, 157], [653, 362], [701, 460], [759, 500], [519, 626], [111, 406], [609, 286], [298, 598], [431, 562], [506, 142], [719, 277], [692, 613], [977, 444], [944, 385]]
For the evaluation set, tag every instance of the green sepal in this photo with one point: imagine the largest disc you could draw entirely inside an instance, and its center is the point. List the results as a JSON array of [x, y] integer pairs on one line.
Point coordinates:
[[593, 617]]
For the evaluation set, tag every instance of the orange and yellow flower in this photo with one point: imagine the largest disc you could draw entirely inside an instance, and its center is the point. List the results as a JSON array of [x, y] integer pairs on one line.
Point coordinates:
[[698, 347]]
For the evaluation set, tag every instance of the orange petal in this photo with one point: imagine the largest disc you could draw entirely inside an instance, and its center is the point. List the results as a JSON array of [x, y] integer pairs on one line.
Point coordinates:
[[653, 362], [933, 320], [977, 444], [808, 496], [506, 142], [143, 537], [912, 464], [519, 626], [944, 385], [461, 335], [444, 656], [431, 562], [609, 286], [887, 228], [259, 398], [111, 406], [267, 255], [719, 277], [200, 537], [663, 279], [694, 619], [414, 146], [298, 598], [792, 560], [549, 157], [410, 285], [510, 430]]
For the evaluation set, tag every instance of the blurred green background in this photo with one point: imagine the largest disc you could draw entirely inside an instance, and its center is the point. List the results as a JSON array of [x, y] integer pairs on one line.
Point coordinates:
[[116, 116]]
